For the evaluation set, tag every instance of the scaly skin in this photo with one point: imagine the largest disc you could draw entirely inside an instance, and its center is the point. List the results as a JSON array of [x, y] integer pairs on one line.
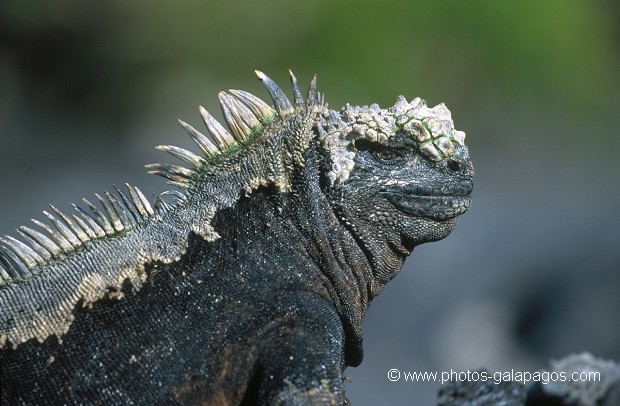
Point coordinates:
[[251, 288]]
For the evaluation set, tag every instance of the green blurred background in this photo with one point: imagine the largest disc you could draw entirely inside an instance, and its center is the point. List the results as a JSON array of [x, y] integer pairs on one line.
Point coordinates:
[[533, 270]]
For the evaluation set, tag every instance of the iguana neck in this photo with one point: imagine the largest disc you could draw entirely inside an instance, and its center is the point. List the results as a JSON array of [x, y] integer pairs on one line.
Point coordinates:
[[384, 250], [354, 271], [383, 247]]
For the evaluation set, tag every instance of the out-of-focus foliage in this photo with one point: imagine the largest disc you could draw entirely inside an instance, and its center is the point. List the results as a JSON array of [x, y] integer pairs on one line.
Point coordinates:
[[451, 48]]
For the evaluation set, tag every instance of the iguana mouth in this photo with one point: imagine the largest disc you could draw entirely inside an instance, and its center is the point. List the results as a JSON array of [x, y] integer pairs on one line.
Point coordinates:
[[434, 207]]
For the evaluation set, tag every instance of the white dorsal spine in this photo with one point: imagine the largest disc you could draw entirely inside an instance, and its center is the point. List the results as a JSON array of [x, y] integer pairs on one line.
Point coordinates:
[[83, 256]]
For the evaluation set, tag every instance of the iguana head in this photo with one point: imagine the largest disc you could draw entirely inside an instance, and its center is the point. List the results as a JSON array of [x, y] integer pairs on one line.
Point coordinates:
[[400, 175]]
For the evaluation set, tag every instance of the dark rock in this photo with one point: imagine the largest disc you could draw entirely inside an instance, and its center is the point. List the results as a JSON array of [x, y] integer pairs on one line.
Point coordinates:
[[576, 380], [482, 393]]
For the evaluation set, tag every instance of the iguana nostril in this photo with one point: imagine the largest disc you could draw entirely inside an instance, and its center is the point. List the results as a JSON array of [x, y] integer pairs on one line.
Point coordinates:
[[453, 165]]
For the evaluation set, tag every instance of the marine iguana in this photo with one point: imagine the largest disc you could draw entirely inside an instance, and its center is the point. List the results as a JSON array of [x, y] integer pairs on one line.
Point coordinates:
[[249, 287]]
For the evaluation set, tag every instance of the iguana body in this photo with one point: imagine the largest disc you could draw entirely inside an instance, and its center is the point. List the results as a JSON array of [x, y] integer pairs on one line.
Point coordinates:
[[250, 287]]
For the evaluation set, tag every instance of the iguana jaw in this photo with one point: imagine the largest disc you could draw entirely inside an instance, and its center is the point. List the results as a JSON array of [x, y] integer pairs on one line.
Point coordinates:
[[440, 203], [438, 208]]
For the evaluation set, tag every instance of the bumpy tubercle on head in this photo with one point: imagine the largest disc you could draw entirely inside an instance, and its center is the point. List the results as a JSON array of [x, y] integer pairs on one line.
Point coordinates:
[[431, 128]]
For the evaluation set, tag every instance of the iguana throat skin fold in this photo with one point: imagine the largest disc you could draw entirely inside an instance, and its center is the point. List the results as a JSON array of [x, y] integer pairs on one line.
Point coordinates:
[[248, 288]]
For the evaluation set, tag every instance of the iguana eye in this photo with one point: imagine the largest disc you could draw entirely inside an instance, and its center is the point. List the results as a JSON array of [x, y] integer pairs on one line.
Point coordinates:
[[379, 151], [386, 155]]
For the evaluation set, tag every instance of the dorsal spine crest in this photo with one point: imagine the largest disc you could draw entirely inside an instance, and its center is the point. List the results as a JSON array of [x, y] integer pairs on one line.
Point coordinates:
[[86, 255]]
